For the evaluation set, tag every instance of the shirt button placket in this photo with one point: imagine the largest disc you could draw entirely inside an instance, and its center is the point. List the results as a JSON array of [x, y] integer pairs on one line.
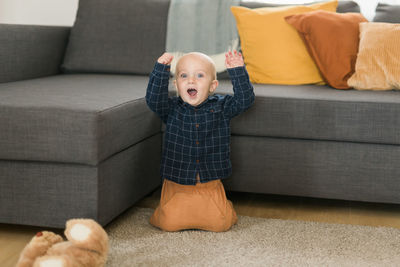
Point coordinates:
[[197, 134]]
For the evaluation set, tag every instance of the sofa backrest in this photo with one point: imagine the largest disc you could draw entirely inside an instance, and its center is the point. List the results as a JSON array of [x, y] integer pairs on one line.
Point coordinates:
[[387, 13], [343, 6], [124, 36], [31, 51], [118, 36]]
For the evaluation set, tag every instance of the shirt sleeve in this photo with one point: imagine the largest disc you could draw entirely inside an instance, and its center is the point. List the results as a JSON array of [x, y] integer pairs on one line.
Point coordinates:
[[243, 92], [157, 91]]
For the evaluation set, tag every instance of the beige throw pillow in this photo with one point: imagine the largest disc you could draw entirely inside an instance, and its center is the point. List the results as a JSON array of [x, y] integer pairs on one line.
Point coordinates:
[[378, 60]]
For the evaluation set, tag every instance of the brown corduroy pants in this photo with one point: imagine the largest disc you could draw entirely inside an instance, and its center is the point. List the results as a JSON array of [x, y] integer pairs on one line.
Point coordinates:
[[202, 206]]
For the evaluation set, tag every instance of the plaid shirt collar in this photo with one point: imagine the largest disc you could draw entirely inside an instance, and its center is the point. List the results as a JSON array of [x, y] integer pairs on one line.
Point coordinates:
[[201, 105]]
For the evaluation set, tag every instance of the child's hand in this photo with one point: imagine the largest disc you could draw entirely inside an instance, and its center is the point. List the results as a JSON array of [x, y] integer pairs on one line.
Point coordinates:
[[165, 59], [233, 60]]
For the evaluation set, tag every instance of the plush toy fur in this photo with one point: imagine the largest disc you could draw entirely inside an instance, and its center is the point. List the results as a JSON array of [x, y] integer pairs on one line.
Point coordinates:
[[87, 245]]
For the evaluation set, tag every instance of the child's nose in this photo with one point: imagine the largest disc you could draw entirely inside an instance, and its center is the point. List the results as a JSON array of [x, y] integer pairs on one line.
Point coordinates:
[[192, 78]]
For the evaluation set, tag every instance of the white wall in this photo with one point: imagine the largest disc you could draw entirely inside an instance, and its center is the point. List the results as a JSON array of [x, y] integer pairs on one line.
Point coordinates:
[[63, 12], [41, 12]]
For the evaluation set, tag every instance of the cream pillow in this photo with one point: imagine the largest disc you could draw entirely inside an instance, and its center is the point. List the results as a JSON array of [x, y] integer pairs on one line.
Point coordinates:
[[273, 50], [378, 59]]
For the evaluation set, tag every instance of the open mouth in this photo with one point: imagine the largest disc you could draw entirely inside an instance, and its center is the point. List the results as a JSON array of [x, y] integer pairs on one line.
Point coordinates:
[[192, 92]]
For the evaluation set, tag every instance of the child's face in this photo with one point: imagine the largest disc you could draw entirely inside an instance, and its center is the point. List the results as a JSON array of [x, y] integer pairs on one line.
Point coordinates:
[[195, 78]]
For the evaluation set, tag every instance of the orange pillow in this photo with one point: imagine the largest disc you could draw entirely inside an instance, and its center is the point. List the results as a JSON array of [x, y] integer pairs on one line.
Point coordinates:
[[332, 40], [378, 59], [273, 50]]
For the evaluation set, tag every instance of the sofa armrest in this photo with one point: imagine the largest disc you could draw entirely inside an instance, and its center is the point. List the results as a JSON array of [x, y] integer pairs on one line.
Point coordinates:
[[31, 51]]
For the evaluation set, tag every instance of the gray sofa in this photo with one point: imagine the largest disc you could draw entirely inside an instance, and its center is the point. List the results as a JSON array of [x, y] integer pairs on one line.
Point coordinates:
[[77, 139], [71, 145]]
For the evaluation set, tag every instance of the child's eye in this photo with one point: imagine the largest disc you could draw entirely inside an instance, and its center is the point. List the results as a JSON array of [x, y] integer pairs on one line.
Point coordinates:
[[200, 75], [183, 75]]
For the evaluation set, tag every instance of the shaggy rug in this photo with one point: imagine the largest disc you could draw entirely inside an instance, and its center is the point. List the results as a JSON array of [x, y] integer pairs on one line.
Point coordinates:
[[252, 242]]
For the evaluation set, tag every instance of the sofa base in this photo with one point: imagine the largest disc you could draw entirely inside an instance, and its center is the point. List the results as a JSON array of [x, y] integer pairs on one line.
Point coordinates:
[[311, 168], [47, 194]]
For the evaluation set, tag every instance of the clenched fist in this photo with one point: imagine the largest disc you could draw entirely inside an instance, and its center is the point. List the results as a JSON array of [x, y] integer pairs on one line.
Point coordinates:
[[165, 59]]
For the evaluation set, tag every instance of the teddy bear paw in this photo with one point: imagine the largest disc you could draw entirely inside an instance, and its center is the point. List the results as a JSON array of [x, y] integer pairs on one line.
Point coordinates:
[[87, 234], [37, 247], [48, 238], [79, 232]]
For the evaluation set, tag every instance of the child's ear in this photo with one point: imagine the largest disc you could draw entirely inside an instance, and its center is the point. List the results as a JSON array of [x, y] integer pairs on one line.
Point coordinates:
[[213, 86]]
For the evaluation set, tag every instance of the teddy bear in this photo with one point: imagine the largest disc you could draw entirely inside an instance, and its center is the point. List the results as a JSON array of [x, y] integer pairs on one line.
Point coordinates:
[[86, 245]]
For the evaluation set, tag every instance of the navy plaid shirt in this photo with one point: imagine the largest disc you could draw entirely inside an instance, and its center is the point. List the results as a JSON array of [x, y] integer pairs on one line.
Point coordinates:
[[197, 138]]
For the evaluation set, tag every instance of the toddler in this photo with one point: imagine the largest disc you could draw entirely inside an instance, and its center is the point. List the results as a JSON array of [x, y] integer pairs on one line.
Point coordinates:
[[196, 142]]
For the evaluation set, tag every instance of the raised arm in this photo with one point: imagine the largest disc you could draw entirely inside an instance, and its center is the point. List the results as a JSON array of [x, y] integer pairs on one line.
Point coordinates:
[[243, 96], [157, 90]]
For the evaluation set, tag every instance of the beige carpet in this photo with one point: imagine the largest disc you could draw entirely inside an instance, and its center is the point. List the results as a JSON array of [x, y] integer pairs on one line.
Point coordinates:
[[252, 242]]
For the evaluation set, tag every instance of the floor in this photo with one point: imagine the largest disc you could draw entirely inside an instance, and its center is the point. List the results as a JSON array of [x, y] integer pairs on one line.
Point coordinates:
[[13, 237]]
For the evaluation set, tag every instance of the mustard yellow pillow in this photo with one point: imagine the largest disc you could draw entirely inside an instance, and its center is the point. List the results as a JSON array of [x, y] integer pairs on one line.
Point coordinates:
[[378, 58], [273, 50]]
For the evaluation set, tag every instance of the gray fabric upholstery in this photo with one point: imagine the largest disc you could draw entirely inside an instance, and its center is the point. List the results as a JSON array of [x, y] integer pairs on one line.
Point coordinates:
[[28, 51], [387, 13], [128, 176], [343, 6], [48, 193], [321, 113], [119, 36], [348, 6], [80, 118], [326, 169]]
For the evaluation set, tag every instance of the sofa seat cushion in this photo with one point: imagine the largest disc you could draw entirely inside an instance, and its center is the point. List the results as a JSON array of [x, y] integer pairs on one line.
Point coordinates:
[[76, 118], [320, 112]]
